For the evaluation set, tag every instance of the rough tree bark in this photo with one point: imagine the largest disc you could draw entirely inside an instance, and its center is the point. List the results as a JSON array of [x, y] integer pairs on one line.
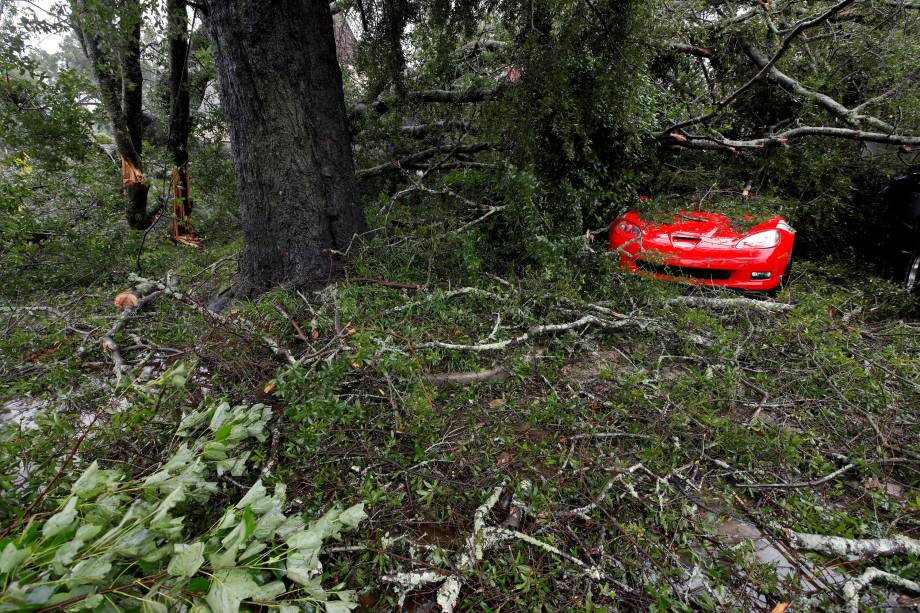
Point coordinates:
[[117, 70], [281, 92], [180, 123]]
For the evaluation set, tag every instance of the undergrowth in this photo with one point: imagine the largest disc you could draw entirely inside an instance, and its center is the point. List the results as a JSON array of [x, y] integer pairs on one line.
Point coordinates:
[[708, 401]]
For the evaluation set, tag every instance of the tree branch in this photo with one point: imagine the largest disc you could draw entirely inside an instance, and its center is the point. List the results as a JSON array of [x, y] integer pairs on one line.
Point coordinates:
[[690, 49], [464, 96], [784, 46], [708, 142], [395, 165], [851, 116]]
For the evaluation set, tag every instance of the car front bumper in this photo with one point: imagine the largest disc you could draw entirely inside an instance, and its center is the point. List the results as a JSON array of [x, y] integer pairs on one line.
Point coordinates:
[[743, 269]]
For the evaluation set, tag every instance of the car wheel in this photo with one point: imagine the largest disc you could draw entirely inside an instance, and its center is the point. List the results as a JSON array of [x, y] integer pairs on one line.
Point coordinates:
[[912, 276], [784, 280]]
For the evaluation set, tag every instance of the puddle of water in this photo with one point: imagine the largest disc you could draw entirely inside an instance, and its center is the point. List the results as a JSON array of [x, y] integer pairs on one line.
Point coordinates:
[[810, 576], [813, 578], [21, 412]]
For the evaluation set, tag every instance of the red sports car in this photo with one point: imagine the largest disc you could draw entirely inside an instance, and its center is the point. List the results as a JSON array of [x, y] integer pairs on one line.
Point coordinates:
[[706, 248]]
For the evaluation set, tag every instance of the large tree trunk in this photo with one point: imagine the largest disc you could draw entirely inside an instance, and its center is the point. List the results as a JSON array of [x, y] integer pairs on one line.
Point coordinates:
[[281, 91]]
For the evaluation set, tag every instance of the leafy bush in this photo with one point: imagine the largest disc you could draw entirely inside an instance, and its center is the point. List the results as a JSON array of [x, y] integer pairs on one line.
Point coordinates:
[[118, 542]]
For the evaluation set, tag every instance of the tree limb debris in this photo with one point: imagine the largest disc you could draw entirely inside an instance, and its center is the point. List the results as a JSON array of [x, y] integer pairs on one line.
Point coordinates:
[[697, 141], [690, 49], [462, 291], [859, 548], [814, 482], [853, 587], [539, 331], [784, 46], [478, 542], [733, 303], [414, 158], [143, 293], [462, 96], [851, 116], [238, 323], [498, 373]]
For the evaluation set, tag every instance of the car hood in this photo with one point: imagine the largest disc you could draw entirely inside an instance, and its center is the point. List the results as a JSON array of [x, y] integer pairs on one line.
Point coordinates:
[[688, 229]]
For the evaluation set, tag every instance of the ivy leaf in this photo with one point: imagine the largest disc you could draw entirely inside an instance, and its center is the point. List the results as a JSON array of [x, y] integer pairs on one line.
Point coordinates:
[[66, 552], [186, 560], [91, 570], [339, 606], [12, 557], [61, 520], [270, 591], [255, 494], [229, 588], [93, 481], [221, 414], [352, 516], [161, 518]]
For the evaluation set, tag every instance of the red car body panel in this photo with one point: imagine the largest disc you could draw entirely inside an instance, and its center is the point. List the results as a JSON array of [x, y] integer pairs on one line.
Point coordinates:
[[702, 248]]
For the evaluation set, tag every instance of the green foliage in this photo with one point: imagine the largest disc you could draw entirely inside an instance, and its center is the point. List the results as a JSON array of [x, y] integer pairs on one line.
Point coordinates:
[[118, 542], [40, 112]]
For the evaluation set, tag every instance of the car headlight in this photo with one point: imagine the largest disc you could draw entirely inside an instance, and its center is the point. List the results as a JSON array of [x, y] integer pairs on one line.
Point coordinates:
[[628, 227], [759, 240]]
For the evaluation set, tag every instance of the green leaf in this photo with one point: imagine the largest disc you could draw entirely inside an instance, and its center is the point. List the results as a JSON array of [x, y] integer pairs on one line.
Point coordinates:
[[270, 591], [221, 413], [223, 432], [91, 570], [255, 494], [339, 606], [93, 481], [12, 557], [353, 515], [186, 560], [229, 588], [61, 520], [161, 517], [152, 606]]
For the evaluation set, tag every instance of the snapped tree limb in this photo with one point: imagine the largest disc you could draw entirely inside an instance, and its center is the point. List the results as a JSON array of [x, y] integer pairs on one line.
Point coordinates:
[[851, 116], [535, 331], [477, 543], [860, 548], [694, 141], [784, 46], [733, 303], [414, 158]]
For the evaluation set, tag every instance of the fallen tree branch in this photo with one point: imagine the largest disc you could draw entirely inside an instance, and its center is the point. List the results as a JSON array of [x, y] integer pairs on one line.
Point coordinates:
[[238, 323], [697, 141], [853, 587], [860, 548], [733, 303], [851, 116], [499, 373], [461, 96], [536, 331], [583, 511], [812, 483], [143, 294], [462, 291], [414, 158], [784, 46], [489, 212], [690, 49], [478, 542], [416, 130]]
